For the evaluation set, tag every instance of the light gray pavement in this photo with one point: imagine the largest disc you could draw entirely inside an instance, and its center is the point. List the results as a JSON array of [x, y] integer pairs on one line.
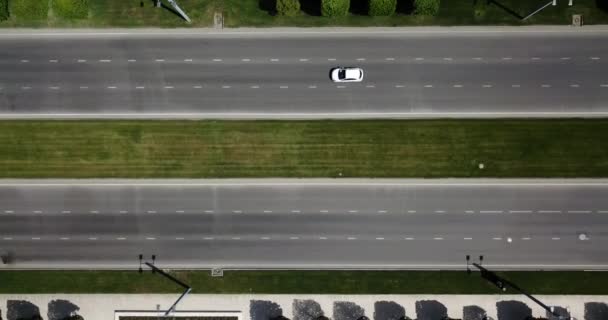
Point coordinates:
[[415, 224], [284, 74], [338, 307]]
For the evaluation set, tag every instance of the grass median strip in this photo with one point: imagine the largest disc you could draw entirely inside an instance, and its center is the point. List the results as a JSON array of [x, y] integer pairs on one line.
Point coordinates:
[[382, 148], [339, 282]]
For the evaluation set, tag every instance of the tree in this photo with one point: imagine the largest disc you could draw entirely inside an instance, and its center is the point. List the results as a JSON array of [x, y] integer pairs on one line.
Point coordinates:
[[334, 8], [288, 8], [382, 7], [426, 7], [3, 10]]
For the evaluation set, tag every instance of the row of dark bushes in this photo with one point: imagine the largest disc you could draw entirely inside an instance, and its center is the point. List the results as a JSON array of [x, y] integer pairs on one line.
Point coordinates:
[[340, 8]]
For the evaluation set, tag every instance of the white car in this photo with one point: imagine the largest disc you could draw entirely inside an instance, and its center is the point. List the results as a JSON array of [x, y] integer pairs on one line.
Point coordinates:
[[346, 74]]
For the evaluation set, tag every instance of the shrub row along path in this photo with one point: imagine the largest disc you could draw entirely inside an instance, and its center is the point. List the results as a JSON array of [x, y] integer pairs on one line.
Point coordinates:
[[517, 225], [263, 75]]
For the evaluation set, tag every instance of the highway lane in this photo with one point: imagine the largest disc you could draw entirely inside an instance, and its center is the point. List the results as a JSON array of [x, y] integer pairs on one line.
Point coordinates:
[[306, 223], [255, 75]]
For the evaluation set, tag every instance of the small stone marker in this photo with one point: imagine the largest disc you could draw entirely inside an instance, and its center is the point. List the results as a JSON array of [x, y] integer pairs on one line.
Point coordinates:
[[217, 272]]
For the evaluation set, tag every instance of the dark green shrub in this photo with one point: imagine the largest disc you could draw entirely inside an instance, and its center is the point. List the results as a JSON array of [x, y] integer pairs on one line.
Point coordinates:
[[71, 9], [426, 7], [3, 10], [382, 7], [29, 9], [334, 8], [288, 8]]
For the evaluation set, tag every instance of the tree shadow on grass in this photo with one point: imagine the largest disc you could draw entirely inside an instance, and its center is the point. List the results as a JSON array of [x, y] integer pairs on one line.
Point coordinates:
[[602, 5], [359, 7], [505, 8], [311, 7], [405, 6], [269, 6]]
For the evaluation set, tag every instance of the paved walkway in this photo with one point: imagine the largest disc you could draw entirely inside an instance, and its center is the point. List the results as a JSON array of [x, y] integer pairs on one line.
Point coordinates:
[[306, 307]]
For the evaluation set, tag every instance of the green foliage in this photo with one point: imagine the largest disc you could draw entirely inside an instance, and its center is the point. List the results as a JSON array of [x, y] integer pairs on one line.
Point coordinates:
[[426, 7], [480, 8], [334, 8], [29, 9], [382, 7], [3, 10], [71, 9], [288, 8]]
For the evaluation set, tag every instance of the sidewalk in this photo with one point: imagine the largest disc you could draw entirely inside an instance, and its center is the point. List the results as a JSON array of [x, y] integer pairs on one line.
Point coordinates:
[[307, 307]]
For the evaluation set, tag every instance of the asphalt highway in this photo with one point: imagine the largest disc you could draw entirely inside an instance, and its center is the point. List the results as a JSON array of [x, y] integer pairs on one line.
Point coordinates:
[[451, 74], [377, 224]]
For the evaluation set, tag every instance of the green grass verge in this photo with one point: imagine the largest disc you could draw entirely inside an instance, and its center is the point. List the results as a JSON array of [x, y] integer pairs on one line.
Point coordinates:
[[239, 13], [383, 148], [338, 282]]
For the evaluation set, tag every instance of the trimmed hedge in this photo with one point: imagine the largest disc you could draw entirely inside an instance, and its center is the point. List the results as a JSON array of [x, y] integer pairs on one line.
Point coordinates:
[[334, 8], [426, 7], [382, 7], [29, 9], [71, 9], [288, 8], [3, 10]]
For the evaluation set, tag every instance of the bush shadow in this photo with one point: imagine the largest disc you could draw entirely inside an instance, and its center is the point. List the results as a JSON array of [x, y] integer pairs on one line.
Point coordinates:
[[405, 6], [359, 7], [269, 6], [311, 7]]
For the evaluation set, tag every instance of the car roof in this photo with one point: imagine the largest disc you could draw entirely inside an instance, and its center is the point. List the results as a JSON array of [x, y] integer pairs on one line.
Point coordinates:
[[352, 73]]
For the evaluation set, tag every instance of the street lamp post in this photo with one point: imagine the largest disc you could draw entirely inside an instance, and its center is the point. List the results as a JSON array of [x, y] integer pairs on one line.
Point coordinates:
[[168, 276], [552, 2]]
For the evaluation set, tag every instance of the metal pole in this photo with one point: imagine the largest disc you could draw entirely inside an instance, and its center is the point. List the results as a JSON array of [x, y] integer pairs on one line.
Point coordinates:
[[552, 2], [178, 9], [172, 278]]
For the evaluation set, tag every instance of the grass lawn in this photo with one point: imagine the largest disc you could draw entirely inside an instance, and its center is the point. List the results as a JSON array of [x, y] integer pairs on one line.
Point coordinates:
[[371, 148], [338, 282], [240, 13]]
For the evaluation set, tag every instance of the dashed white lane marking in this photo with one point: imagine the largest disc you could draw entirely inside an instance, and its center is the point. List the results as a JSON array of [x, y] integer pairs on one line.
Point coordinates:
[[457, 86], [237, 211], [168, 87], [208, 211], [187, 60], [353, 211], [36, 238], [477, 58], [370, 86], [150, 238], [25, 61], [208, 238], [419, 59], [331, 59], [303, 60], [602, 211], [94, 211], [105, 60], [390, 59], [579, 211], [526, 238], [295, 211], [469, 211], [399, 86], [53, 61], [64, 238], [565, 58], [7, 238], [92, 238], [245, 60], [351, 238], [54, 88], [324, 211], [360, 59], [111, 87], [555, 238], [379, 238], [274, 60], [428, 86], [37, 211], [26, 88], [284, 87], [595, 58], [151, 211], [226, 87], [409, 238], [294, 238], [217, 60], [439, 211], [447, 59], [340, 87], [236, 238], [468, 238], [438, 238], [267, 211], [197, 87], [160, 60], [121, 238], [490, 211], [123, 211], [549, 211], [411, 211], [322, 238], [8, 211], [265, 238], [535, 58], [66, 211], [312, 87], [131, 60], [497, 238], [520, 211], [179, 238], [140, 87], [255, 87], [545, 86], [604, 85], [381, 211], [507, 58], [81, 60], [486, 86], [515, 86], [179, 211], [83, 87], [574, 85]]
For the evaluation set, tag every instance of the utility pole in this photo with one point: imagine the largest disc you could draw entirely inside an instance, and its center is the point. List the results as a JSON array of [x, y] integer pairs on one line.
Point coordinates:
[[552, 2], [186, 287]]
